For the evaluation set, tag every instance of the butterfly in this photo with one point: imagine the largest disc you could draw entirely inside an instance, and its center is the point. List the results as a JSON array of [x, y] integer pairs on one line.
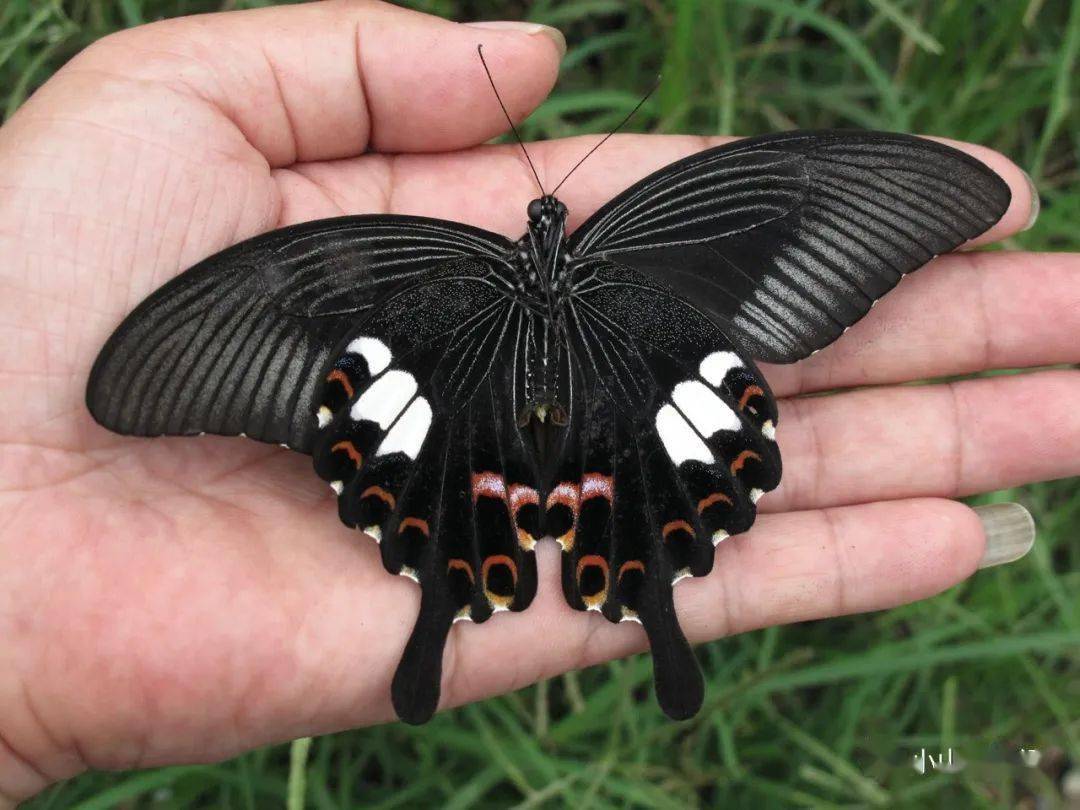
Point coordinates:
[[466, 395]]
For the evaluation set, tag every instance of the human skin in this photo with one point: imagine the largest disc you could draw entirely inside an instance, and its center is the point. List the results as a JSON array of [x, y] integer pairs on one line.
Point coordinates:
[[180, 600]]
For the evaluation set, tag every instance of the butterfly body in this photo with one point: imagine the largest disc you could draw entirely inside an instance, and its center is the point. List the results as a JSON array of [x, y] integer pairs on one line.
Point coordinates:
[[466, 396]]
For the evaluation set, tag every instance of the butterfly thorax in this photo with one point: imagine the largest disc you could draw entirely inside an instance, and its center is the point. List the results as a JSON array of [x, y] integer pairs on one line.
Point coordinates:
[[542, 286]]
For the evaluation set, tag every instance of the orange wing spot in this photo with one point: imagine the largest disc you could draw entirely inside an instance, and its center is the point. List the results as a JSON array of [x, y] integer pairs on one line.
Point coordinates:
[[461, 565], [567, 494], [594, 600], [350, 449], [499, 559], [677, 525], [526, 540], [499, 599], [337, 375], [381, 494], [488, 485], [748, 393], [742, 458], [422, 525], [631, 565], [596, 485], [706, 502], [521, 495]]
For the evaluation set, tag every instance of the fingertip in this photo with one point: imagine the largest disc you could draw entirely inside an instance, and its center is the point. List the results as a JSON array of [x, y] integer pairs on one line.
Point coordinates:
[[1009, 531], [1024, 199], [524, 62], [553, 35]]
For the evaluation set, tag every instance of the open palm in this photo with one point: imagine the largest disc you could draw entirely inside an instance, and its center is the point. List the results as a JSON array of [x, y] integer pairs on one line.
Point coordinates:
[[177, 599]]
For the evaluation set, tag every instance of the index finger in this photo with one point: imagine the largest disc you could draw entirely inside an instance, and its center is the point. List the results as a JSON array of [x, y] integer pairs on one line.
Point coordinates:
[[327, 80]]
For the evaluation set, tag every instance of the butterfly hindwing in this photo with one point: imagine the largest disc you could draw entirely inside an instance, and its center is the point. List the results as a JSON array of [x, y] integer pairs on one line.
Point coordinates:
[[418, 440], [788, 239], [651, 484]]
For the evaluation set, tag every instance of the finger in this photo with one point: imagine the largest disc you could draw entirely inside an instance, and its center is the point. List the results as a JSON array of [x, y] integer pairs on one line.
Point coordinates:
[[965, 312], [791, 567], [326, 80], [431, 186], [945, 440]]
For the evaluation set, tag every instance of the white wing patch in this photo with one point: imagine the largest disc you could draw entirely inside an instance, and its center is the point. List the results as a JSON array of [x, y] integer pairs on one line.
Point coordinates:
[[716, 366], [680, 440], [374, 351], [705, 410], [408, 433], [385, 399]]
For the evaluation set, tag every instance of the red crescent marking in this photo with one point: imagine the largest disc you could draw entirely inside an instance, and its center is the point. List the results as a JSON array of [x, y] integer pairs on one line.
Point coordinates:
[[567, 494], [461, 565], [499, 559], [596, 485], [631, 565], [742, 458], [750, 391], [705, 503], [675, 526], [521, 495], [488, 485], [343, 378], [588, 560], [379, 493], [350, 449], [422, 525]]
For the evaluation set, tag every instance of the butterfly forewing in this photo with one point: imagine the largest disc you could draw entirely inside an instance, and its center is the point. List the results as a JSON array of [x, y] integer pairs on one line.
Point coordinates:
[[789, 239], [236, 344]]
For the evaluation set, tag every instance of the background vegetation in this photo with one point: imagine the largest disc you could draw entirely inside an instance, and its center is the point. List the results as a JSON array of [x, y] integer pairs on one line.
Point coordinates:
[[820, 714]]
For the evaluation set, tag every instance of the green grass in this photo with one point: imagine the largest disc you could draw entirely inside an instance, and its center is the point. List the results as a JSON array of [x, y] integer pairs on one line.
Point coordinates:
[[819, 714]]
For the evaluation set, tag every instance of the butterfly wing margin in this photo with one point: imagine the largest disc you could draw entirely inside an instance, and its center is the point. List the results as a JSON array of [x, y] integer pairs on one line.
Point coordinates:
[[238, 343], [670, 444], [419, 441], [789, 239]]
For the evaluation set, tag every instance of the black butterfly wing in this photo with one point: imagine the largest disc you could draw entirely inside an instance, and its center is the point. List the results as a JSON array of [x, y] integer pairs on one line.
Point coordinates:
[[237, 344], [669, 446], [789, 239], [418, 438]]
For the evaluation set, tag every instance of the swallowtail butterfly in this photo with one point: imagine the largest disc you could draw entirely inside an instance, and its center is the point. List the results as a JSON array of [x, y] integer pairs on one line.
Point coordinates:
[[466, 395]]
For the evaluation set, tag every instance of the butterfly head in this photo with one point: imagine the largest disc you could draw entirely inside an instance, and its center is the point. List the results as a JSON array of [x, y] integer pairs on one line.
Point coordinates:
[[546, 211]]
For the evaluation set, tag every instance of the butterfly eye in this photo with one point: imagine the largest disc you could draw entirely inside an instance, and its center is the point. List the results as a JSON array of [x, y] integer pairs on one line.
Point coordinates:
[[536, 208], [562, 210]]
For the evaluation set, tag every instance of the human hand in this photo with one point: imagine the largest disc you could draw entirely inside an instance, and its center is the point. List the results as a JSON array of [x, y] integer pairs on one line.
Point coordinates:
[[180, 600]]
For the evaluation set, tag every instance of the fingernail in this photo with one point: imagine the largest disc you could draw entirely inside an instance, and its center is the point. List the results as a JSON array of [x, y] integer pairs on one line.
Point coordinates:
[[1010, 533], [1036, 203], [554, 34]]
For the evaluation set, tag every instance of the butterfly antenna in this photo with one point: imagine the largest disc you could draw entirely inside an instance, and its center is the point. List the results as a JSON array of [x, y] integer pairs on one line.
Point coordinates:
[[620, 125], [521, 143]]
